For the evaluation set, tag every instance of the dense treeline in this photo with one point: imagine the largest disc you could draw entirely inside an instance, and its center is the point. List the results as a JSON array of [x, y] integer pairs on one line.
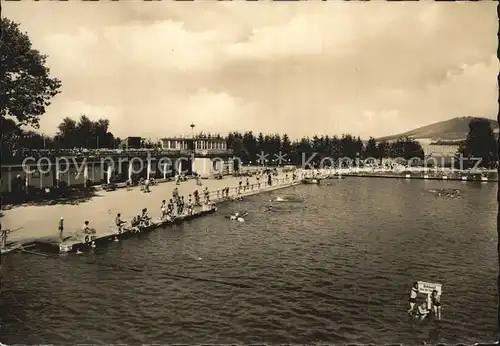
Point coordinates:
[[249, 148], [84, 133]]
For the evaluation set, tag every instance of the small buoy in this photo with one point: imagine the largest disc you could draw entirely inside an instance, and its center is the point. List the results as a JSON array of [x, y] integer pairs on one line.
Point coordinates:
[[93, 245], [116, 239]]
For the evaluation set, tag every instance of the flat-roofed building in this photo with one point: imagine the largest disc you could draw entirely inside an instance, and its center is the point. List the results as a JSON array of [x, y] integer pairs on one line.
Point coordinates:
[[208, 154]]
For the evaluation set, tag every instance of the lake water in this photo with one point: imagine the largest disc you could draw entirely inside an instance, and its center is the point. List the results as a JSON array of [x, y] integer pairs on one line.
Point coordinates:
[[335, 265]]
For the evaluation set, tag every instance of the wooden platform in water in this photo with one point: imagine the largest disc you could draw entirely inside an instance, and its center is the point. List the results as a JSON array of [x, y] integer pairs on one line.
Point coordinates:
[[83, 242]]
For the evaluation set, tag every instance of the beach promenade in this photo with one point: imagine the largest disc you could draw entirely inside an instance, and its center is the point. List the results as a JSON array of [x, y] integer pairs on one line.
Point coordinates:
[[38, 222]]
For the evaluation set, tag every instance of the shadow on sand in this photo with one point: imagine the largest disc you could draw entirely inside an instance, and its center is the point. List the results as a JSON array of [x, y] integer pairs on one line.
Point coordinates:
[[66, 196]]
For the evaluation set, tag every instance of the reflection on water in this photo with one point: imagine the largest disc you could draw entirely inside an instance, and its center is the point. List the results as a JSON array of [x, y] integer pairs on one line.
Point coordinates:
[[335, 267]]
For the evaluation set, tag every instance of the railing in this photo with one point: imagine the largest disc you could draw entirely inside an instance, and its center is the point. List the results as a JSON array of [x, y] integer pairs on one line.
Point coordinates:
[[213, 151], [220, 194]]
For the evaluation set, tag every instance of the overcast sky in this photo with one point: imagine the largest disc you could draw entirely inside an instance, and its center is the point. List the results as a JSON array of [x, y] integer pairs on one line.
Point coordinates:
[[371, 68]]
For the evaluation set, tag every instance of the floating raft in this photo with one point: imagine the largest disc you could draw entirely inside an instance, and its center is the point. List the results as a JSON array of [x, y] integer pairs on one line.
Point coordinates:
[[88, 242]]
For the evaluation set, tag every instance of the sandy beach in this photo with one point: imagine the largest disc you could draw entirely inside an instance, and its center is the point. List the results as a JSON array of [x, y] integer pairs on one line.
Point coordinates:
[[35, 222]]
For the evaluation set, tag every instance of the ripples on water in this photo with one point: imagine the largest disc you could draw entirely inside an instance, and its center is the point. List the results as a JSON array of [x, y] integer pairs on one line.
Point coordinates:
[[335, 267]]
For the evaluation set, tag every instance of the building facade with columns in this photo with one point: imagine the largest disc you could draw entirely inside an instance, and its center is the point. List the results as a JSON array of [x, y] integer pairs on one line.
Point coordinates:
[[204, 156]]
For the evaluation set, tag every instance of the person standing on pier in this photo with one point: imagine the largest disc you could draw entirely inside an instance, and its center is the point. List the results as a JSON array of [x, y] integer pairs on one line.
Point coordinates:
[[239, 187], [196, 198], [182, 204], [258, 180], [207, 195], [247, 185], [61, 228], [170, 206], [190, 206], [163, 209], [178, 205]]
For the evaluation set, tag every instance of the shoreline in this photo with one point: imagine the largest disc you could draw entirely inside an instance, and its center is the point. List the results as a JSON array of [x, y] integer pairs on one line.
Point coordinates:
[[39, 222]]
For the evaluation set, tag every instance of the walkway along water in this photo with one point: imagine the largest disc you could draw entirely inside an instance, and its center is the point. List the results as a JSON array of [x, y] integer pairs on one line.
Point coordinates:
[[40, 223]]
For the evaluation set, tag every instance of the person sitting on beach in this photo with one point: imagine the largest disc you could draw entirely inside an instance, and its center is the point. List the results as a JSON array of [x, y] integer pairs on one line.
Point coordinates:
[[146, 185], [413, 297], [119, 223], [436, 304]]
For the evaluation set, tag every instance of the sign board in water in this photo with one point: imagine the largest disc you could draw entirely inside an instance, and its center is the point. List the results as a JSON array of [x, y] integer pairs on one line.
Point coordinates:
[[428, 287]]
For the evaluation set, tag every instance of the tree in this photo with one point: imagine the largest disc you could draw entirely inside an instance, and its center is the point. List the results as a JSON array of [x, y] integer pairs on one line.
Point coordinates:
[[371, 150], [383, 149], [480, 143], [25, 85]]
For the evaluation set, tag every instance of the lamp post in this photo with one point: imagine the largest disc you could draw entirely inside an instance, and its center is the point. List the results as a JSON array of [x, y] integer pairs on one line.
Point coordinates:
[[194, 147], [192, 130]]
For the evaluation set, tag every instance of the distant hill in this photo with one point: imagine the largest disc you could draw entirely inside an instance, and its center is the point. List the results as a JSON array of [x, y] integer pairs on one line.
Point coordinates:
[[455, 129]]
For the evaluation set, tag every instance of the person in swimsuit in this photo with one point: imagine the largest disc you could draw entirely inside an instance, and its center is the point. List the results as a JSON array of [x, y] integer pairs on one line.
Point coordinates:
[[163, 209], [422, 311], [413, 297], [61, 227], [436, 304], [119, 223]]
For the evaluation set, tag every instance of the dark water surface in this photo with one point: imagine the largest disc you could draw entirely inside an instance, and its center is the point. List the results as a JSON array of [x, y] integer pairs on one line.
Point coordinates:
[[335, 265]]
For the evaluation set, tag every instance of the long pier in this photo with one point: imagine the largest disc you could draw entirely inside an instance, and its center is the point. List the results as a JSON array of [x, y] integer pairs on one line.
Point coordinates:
[[84, 243]]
